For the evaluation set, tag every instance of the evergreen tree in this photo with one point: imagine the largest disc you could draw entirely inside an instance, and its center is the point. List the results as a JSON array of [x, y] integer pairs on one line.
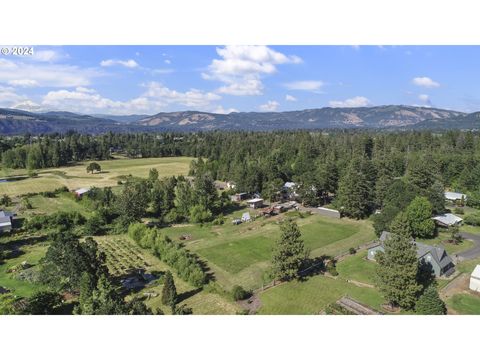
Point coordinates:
[[289, 253], [355, 191], [429, 303], [169, 291], [419, 215], [398, 265], [436, 196]]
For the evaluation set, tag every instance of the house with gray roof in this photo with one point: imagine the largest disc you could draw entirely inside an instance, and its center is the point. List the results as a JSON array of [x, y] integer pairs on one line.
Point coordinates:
[[436, 256], [447, 220], [5, 221]]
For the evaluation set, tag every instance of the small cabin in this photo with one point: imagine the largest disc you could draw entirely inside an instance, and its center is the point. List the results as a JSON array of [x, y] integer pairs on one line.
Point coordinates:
[[255, 203]]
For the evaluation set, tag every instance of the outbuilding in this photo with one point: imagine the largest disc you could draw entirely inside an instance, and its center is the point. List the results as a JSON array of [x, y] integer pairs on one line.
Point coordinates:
[[255, 203], [80, 192], [447, 220], [475, 279], [455, 196], [329, 212], [5, 221]]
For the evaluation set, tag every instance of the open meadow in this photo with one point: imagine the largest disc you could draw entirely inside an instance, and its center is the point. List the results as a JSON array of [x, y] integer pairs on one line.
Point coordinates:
[[76, 176]]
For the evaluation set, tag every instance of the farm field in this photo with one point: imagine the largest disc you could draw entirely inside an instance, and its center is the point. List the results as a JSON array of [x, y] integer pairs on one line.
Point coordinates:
[[123, 254], [76, 176], [240, 254]]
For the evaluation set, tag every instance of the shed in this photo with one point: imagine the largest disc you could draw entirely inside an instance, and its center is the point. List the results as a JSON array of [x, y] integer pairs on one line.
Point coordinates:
[[447, 220], [246, 217], [239, 196], [255, 203], [475, 279], [5, 221], [329, 212], [454, 196], [80, 192]]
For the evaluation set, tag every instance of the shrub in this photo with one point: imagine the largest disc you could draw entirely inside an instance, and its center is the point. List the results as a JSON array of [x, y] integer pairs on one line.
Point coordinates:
[[173, 254], [239, 293], [472, 219], [198, 214], [331, 268], [136, 231], [352, 251], [459, 211]]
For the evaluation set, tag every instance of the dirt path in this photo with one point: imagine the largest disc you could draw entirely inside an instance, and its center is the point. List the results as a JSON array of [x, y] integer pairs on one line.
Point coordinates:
[[252, 304]]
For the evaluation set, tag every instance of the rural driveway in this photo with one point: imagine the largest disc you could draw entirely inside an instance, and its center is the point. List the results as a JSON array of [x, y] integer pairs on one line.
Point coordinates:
[[470, 253]]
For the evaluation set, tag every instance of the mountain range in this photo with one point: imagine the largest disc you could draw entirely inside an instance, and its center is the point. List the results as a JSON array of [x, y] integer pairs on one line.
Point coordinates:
[[14, 122]]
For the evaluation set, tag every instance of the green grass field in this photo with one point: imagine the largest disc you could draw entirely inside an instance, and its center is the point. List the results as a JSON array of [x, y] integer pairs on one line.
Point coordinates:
[[76, 176], [313, 295], [465, 304], [357, 268], [31, 254], [240, 254]]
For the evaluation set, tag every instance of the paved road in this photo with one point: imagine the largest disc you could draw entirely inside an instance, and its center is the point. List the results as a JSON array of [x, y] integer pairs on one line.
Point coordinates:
[[473, 252]]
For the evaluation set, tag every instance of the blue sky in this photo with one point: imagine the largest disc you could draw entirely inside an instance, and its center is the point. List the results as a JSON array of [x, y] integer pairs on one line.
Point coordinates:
[[151, 79]]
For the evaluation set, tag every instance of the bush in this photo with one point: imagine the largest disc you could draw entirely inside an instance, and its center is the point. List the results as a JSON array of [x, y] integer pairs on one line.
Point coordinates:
[[239, 293], [332, 269], [219, 220], [352, 251], [136, 231], [472, 219], [173, 254], [459, 211], [198, 214]]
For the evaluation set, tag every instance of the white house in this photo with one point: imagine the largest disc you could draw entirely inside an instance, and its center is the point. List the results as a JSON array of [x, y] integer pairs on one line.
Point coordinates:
[[475, 279], [455, 196], [447, 220], [255, 203], [80, 192], [5, 221]]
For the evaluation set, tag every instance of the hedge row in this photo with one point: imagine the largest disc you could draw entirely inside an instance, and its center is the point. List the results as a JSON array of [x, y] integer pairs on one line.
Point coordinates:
[[173, 254]]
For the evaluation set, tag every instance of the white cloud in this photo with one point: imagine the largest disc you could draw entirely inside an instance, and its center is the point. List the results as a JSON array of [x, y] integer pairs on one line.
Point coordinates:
[[46, 74], [290, 98], [220, 110], [28, 105], [192, 98], [9, 98], [425, 82], [23, 83], [357, 101], [155, 97], [424, 97], [166, 61], [46, 55], [241, 68], [244, 87], [271, 105], [308, 85], [89, 101], [126, 63]]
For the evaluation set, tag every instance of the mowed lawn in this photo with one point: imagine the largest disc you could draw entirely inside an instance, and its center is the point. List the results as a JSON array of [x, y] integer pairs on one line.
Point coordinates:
[[313, 295], [240, 254], [465, 304], [357, 268], [76, 176]]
